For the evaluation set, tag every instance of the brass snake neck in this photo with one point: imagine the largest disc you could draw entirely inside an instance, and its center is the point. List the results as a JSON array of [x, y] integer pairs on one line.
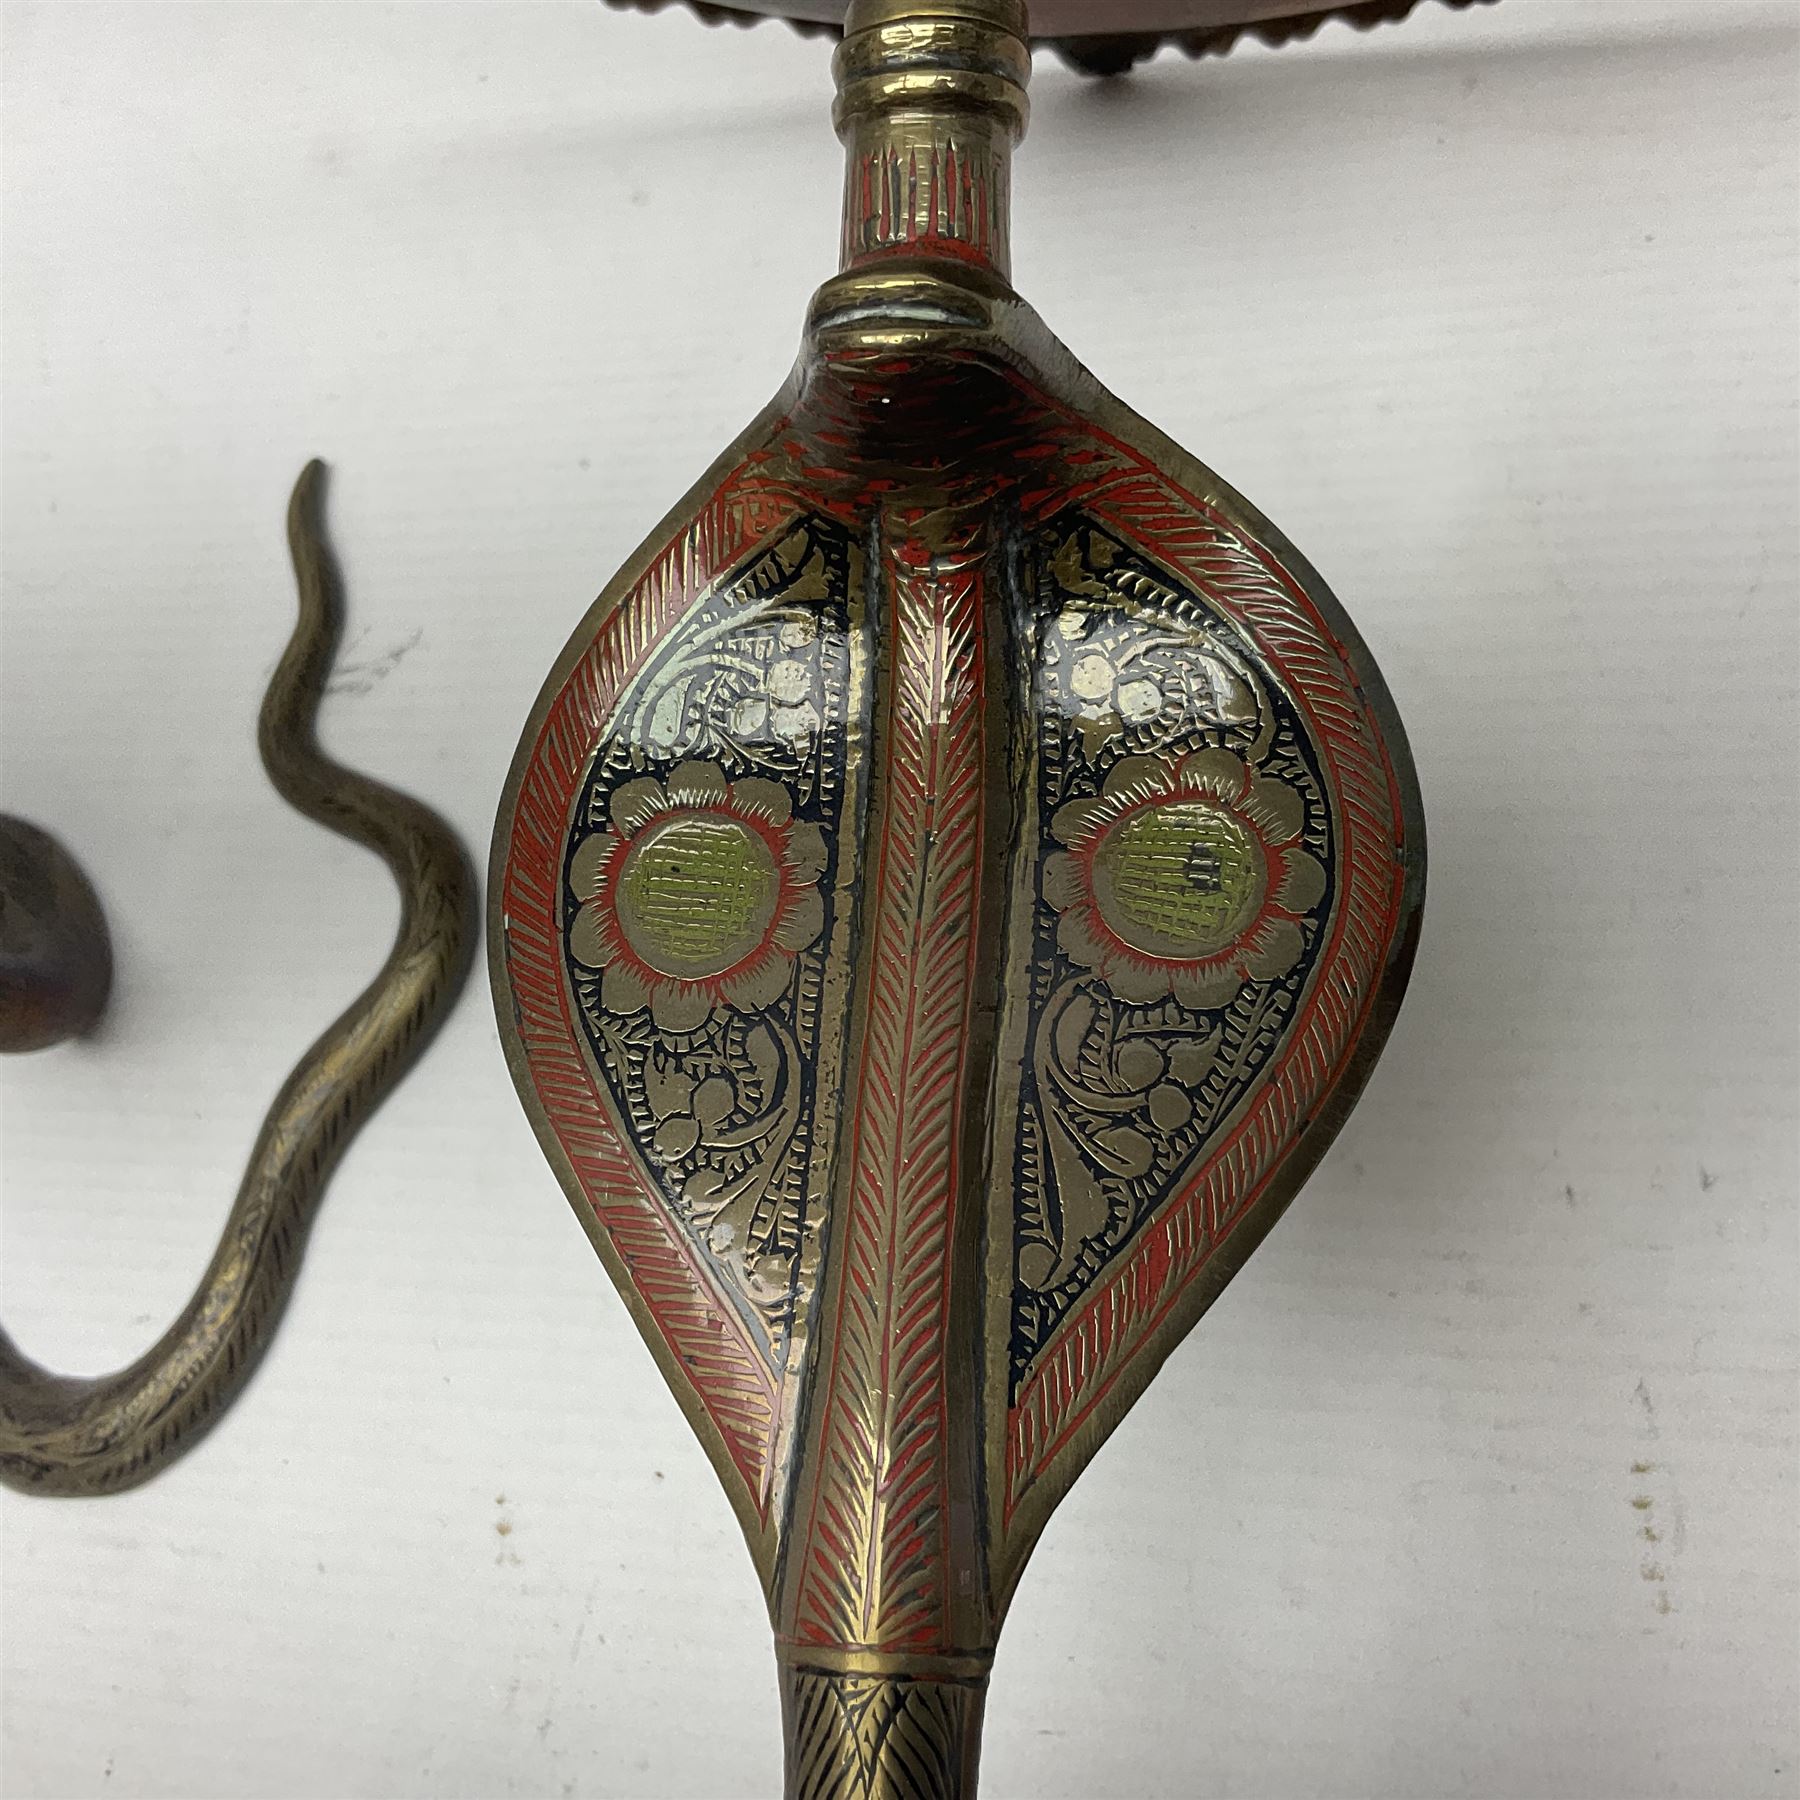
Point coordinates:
[[66, 1435]]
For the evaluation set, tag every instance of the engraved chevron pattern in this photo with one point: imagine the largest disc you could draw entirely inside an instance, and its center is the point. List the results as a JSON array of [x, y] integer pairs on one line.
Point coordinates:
[[864, 1737], [874, 1568]]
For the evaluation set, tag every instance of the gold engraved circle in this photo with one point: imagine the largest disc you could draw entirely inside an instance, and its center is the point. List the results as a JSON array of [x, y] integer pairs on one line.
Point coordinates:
[[1179, 881], [697, 894]]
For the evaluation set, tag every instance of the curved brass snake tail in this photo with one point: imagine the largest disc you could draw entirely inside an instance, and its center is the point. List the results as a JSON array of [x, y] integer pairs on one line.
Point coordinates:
[[64, 1435]]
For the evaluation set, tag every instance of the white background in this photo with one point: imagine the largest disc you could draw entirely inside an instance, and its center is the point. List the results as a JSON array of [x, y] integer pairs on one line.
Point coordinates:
[[1495, 314]]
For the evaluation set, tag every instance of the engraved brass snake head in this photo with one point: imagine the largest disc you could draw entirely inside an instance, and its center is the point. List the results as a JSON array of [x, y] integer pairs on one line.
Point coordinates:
[[950, 891]]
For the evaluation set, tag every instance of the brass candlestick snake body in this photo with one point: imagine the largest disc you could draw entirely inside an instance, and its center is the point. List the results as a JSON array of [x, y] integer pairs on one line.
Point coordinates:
[[86, 1436]]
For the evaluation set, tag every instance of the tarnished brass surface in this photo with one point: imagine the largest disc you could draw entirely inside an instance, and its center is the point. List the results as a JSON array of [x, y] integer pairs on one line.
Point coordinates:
[[950, 892], [55, 953], [81, 1436]]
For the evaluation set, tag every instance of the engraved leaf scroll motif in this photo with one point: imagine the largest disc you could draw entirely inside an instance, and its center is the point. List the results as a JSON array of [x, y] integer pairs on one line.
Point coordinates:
[[1184, 874], [699, 881]]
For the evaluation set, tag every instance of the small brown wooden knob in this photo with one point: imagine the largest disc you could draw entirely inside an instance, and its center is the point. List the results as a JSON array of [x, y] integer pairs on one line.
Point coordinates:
[[55, 954]]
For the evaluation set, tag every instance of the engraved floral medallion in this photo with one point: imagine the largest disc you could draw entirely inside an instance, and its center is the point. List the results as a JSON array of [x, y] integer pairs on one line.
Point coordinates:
[[1183, 879], [699, 895]]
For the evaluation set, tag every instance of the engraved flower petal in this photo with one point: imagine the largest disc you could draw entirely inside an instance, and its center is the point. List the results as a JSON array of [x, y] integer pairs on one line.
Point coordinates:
[[806, 851], [623, 988], [1080, 943], [1138, 980], [758, 983], [1136, 778], [1302, 884], [1130, 1153], [802, 922], [1191, 1060], [678, 1006], [1092, 676], [668, 1087], [1170, 1108], [676, 1137], [1215, 772], [1139, 700], [637, 802], [1077, 820], [701, 785], [713, 1100], [591, 941], [793, 725], [1139, 1064], [789, 682], [699, 1190], [1037, 1263], [1062, 880], [1273, 949], [767, 800], [587, 867], [1276, 807], [1207, 986]]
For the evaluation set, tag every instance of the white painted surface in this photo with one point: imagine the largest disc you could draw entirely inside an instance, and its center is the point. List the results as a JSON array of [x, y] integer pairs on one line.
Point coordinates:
[[1496, 315]]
